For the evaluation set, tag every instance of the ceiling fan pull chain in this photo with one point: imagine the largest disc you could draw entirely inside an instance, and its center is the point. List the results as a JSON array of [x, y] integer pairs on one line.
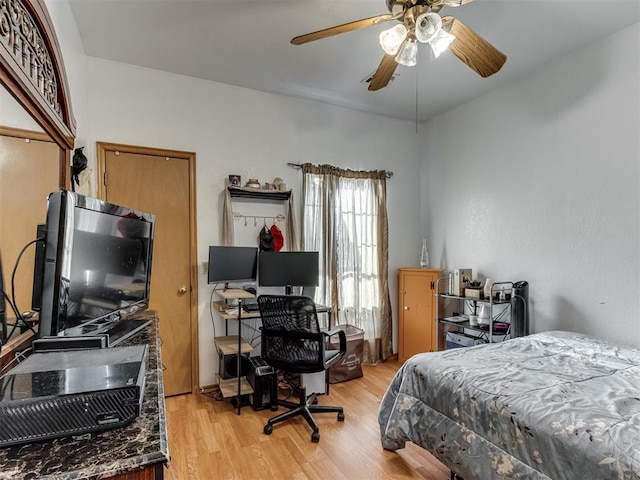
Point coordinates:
[[417, 81]]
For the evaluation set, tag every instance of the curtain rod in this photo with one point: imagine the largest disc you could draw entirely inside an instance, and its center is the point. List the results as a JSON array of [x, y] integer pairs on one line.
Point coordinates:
[[297, 166]]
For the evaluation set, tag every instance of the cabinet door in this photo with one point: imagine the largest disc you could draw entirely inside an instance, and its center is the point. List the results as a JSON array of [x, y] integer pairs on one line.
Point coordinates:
[[416, 326]]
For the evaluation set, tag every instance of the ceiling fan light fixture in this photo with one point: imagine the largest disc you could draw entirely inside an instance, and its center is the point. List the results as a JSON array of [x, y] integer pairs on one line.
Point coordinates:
[[441, 42], [392, 38], [428, 26], [408, 55]]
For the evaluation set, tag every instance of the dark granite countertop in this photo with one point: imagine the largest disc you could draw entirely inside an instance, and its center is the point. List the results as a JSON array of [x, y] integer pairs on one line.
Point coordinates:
[[104, 454]]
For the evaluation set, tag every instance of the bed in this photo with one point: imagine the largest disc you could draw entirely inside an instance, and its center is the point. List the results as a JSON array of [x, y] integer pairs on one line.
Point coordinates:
[[553, 405]]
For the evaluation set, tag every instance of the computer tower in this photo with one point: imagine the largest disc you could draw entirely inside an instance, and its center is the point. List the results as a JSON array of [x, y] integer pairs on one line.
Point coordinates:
[[263, 380]]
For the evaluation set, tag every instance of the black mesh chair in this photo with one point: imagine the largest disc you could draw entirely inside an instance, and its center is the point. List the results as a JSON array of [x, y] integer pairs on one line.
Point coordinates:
[[293, 342]]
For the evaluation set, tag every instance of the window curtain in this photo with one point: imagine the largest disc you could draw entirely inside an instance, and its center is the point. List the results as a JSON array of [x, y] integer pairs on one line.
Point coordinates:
[[344, 218]]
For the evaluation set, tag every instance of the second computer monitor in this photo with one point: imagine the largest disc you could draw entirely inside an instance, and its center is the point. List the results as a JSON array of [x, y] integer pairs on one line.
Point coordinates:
[[288, 269]]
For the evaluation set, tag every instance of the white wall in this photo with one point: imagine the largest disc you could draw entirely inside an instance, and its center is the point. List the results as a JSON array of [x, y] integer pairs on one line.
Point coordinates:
[[540, 181], [13, 115], [239, 131]]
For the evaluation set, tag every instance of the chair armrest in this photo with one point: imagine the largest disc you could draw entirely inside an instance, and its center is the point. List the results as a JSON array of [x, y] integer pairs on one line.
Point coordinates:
[[341, 336]]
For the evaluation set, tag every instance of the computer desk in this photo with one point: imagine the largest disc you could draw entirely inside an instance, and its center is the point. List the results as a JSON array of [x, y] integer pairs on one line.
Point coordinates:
[[240, 295]]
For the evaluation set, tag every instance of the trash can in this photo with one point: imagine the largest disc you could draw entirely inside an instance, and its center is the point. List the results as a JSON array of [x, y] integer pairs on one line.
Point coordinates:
[[350, 365]]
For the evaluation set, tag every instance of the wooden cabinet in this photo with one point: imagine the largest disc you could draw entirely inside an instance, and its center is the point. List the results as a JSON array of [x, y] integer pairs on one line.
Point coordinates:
[[416, 311]]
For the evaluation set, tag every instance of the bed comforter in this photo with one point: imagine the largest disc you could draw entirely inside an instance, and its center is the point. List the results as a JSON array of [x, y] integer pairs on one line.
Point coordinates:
[[553, 405]]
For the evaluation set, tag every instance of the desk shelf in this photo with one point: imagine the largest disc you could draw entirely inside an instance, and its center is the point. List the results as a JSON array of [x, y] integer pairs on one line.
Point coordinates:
[[229, 387], [229, 345]]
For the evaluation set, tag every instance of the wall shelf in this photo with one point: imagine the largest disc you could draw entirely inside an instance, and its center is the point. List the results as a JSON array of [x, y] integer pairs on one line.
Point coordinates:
[[257, 194]]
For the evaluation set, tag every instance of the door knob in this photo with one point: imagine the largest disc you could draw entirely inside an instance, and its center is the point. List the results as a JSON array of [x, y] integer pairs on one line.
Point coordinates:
[[182, 290], [406, 308]]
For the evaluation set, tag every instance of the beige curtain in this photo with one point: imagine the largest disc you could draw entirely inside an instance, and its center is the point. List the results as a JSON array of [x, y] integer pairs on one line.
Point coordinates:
[[345, 220], [227, 219]]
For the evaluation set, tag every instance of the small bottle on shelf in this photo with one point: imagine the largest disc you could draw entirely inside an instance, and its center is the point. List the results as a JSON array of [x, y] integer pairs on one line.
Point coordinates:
[[424, 255]]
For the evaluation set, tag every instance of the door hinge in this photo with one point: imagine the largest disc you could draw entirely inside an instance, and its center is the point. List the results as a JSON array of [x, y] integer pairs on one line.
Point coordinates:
[[104, 179]]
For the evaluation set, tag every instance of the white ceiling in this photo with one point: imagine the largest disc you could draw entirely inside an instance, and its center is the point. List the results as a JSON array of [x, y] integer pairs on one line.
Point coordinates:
[[246, 43]]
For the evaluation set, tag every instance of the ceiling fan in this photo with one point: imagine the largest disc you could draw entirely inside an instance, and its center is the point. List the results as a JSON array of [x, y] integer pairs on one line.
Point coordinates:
[[419, 22]]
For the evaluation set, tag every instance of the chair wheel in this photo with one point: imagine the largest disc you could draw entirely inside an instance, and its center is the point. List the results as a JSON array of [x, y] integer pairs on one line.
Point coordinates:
[[268, 429], [315, 401], [274, 408], [315, 437], [341, 416]]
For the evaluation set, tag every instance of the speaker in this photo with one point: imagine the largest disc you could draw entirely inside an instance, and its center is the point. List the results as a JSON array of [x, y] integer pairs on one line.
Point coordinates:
[[520, 309], [228, 365]]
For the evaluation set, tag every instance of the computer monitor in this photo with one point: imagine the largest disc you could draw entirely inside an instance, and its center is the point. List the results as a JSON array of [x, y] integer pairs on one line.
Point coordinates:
[[288, 269], [232, 264]]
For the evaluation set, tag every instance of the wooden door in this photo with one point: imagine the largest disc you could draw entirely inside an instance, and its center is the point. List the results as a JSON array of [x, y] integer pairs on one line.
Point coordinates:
[[416, 320], [29, 172], [162, 183]]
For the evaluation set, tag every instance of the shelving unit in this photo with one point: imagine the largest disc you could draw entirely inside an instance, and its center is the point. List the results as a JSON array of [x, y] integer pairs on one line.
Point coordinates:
[[499, 312], [231, 345], [257, 194]]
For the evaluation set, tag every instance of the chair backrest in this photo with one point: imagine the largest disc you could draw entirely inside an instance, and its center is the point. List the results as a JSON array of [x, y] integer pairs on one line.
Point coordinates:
[[291, 337]]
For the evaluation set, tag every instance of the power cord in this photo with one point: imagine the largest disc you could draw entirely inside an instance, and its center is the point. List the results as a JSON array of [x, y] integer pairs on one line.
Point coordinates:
[[12, 302]]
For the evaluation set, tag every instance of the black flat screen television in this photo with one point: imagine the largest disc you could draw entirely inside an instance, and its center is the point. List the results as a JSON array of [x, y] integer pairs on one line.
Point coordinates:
[[97, 265], [232, 264], [288, 269]]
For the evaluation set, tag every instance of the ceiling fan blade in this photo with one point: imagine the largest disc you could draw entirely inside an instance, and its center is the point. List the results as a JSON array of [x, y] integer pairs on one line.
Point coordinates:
[[384, 73], [346, 27], [472, 49]]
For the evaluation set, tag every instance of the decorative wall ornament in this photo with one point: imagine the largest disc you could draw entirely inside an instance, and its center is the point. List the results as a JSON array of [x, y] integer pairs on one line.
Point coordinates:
[[31, 67], [19, 34]]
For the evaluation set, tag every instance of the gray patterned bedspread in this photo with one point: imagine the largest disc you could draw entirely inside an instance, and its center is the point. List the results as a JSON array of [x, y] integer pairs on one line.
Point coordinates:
[[554, 405]]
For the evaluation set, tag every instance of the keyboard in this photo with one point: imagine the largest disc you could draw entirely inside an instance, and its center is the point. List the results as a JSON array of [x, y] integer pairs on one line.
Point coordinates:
[[250, 307]]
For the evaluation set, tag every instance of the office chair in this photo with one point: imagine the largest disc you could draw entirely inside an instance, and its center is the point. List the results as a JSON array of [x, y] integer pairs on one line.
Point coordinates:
[[293, 343]]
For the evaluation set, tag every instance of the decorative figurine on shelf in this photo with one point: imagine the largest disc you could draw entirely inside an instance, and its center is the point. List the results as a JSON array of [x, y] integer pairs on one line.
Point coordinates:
[[234, 180]]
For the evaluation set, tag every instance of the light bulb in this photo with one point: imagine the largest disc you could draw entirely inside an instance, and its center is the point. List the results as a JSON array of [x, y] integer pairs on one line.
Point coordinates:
[[408, 55], [428, 25], [391, 39], [441, 42]]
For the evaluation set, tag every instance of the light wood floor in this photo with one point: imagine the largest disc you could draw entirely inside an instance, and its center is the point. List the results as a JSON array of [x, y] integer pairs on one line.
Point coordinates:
[[208, 440]]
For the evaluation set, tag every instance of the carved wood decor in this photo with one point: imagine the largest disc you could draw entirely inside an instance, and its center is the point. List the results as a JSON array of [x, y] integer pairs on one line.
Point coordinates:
[[31, 67]]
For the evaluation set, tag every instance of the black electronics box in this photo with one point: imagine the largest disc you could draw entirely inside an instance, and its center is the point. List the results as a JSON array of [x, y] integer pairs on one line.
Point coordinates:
[[263, 379], [75, 392]]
